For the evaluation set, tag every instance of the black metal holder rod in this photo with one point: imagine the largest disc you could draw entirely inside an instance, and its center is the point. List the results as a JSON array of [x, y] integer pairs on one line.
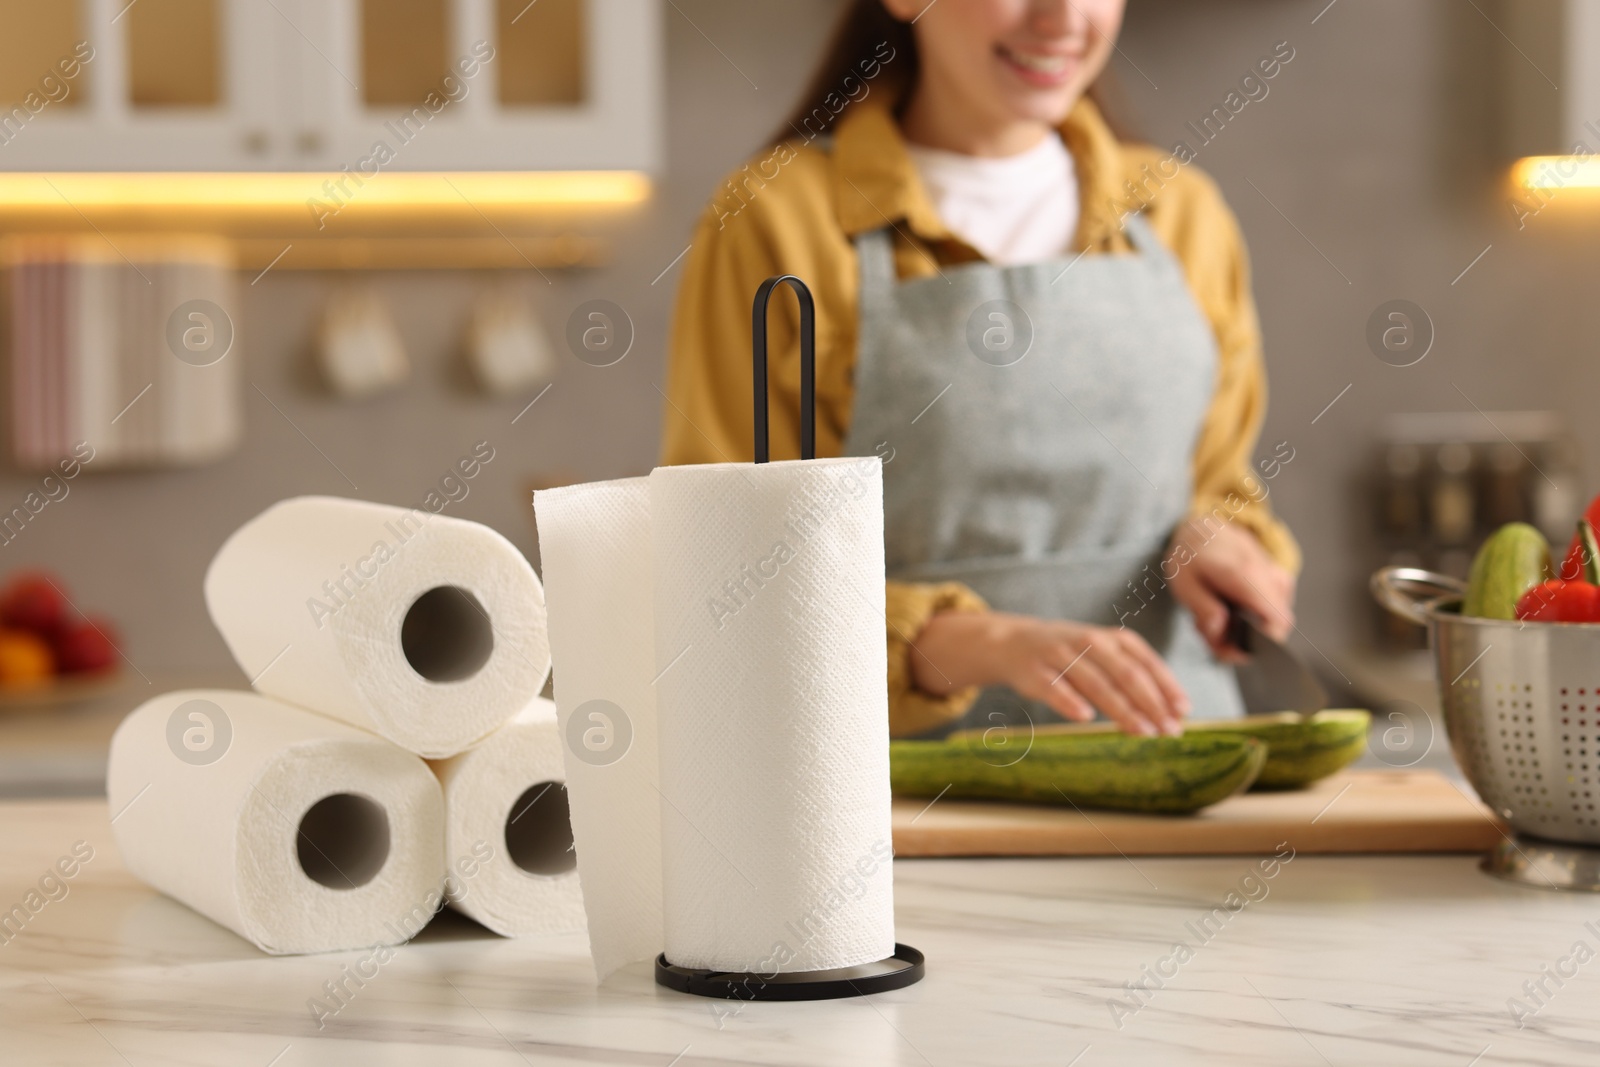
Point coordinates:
[[808, 364]]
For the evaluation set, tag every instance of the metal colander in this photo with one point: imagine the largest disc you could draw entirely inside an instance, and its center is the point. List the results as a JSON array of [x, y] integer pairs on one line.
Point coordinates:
[[1521, 705]]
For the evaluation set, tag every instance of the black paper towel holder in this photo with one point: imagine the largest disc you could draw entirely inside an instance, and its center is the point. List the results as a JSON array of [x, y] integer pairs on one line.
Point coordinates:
[[808, 364], [905, 967]]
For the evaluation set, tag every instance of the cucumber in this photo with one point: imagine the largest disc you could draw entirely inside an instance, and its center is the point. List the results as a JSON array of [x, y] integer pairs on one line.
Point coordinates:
[[1173, 775], [1513, 560], [1300, 748]]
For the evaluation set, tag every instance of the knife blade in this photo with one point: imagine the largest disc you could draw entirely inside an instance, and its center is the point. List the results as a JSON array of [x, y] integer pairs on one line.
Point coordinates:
[[1274, 679]]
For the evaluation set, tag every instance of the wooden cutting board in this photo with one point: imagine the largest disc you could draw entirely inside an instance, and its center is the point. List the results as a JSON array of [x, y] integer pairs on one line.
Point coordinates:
[[1356, 811]]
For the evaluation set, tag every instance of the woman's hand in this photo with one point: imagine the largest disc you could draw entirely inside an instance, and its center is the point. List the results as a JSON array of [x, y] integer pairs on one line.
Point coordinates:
[[1068, 666], [1226, 563]]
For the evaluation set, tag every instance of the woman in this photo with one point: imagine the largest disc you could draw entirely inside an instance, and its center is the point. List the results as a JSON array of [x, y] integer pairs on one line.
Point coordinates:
[[1066, 391]]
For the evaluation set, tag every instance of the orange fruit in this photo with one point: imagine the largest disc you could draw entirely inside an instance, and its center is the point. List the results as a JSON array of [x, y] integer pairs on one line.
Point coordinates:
[[25, 660]]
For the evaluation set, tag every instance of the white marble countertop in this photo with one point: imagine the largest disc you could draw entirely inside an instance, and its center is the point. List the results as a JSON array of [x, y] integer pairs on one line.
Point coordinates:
[[1342, 960]]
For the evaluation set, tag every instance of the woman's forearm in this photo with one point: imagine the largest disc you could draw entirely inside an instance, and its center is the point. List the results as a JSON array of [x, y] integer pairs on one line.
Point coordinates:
[[956, 650]]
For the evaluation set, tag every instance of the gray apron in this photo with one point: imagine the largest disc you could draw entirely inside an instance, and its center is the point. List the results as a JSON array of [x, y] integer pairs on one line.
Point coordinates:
[[1038, 423]]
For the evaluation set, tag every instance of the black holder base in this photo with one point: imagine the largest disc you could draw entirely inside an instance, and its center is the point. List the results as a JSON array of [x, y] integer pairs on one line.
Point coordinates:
[[904, 968]]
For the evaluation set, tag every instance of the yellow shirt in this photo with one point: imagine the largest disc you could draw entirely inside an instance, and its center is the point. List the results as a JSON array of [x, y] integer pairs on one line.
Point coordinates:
[[795, 209]]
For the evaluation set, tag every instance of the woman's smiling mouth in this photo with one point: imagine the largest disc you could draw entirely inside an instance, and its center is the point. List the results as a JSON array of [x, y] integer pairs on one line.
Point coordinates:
[[1039, 68]]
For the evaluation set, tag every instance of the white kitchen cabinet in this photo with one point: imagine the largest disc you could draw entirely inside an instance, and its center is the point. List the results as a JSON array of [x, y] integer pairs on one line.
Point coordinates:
[[101, 126], [289, 88], [1552, 82], [612, 125]]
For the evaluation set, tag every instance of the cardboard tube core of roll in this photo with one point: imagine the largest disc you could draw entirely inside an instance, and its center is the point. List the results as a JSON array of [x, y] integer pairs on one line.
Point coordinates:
[[446, 635], [343, 841], [539, 830]]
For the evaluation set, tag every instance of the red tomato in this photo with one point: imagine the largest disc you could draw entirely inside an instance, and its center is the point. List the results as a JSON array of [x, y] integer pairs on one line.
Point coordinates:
[[1559, 601], [1572, 565]]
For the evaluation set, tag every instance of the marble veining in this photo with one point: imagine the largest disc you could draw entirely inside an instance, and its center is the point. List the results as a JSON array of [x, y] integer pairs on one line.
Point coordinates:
[[1341, 960]]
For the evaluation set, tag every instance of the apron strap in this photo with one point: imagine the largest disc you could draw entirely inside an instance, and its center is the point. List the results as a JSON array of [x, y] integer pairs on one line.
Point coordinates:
[[878, 279], [1142, 237], [875, 261]]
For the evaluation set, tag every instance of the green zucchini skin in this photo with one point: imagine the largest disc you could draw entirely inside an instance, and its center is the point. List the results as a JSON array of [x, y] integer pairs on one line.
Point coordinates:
[[1513, 560], [1169, 775], [1302, 750]]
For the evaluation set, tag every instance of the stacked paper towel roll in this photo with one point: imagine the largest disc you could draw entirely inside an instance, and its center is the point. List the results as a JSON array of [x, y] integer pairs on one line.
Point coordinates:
[[507, 827], [426, 629], [745, 692], [301, 835], [304, 818]]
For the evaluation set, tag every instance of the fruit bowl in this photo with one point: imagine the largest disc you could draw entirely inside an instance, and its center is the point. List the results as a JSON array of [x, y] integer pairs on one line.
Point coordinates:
[[50, 653], [60, 691]]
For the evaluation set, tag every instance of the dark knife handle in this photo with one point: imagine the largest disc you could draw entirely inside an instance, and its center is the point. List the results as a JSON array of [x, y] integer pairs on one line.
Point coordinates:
[[1238, 632]]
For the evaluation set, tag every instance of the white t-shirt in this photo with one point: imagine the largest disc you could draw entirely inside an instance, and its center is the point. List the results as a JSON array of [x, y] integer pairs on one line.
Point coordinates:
[[1013, 209]]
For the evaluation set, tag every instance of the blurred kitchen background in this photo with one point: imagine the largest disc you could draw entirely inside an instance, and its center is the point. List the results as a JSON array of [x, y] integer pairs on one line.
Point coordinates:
[[373, 339]]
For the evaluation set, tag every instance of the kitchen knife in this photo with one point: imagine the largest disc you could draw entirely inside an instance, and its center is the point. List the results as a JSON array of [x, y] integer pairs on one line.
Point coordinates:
[[1275, 679]]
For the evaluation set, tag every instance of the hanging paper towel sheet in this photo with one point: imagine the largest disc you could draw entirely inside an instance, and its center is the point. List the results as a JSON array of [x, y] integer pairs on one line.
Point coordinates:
[[594, 544], [768, 670], [220, 799], [425, 629]]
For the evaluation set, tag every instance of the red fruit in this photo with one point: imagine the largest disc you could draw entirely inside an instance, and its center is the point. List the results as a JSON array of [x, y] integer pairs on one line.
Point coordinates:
[[1559, 601], [33, 601], [1572, 565], [87, 647]]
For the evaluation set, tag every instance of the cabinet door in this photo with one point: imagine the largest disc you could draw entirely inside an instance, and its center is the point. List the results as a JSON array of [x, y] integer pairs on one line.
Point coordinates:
[[160, 85], [330, 85], [45, 64], [422, 85]]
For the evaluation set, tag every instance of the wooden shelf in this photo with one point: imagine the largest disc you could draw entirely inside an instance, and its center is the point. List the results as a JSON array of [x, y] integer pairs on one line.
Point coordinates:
[[563, 252]]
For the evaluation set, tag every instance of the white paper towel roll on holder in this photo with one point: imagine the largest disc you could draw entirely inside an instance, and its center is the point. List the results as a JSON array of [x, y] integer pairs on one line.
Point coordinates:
[[905, 967]]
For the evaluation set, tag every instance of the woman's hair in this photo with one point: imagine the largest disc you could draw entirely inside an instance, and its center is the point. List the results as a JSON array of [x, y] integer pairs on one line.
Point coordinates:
[[870, 48]]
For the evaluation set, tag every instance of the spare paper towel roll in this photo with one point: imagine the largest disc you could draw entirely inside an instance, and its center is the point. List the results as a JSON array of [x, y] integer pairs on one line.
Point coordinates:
[[299, 833], [774, 718], [508, 837], [426, 629], [594, 548]]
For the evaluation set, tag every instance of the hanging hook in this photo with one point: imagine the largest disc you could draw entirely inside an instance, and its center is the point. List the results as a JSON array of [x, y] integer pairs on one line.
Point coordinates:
[[808, 364]]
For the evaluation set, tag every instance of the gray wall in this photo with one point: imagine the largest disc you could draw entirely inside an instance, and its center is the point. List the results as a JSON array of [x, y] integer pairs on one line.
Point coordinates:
[[1379, 143], [1375, 141]]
